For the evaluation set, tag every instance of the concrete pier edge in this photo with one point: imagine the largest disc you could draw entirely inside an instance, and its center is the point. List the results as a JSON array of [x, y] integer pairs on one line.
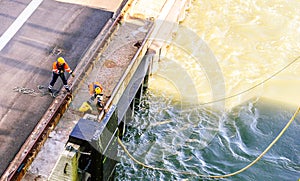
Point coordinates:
[[93, 53]]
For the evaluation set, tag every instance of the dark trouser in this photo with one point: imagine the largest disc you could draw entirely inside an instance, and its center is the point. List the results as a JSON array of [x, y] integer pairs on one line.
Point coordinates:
[[99, 99], [54, 78]]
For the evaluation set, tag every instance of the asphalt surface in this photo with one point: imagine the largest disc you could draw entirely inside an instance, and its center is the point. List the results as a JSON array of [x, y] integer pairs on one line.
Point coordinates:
[[27, 59]]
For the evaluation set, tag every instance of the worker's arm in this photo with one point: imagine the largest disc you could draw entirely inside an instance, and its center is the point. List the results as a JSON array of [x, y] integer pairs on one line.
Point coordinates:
[[68, 69], [54, 68]]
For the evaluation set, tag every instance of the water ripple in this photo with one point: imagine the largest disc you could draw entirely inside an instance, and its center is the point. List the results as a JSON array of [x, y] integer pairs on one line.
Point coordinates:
[[179, 143]]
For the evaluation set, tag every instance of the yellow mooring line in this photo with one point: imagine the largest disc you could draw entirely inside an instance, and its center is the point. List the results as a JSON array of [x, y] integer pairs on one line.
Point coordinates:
[[216, 176]]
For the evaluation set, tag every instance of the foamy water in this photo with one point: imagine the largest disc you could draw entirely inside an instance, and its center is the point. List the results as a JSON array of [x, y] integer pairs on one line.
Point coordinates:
[[251, 41]]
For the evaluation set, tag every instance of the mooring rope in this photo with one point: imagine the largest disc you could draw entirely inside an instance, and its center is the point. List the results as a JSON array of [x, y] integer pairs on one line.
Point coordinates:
[[25, 90], [42, 91], [217, 176], [256, 85]]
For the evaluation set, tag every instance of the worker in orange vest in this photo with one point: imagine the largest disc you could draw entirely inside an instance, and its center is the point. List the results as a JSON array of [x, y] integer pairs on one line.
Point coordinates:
[[58, 70], [96, 91]]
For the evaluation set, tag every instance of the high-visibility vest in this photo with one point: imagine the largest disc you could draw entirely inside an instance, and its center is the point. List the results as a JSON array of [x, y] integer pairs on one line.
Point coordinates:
[[58, 68]]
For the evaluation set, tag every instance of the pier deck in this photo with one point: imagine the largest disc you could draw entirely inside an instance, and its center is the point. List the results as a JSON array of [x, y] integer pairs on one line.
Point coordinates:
[[108, 71], [108, 66]]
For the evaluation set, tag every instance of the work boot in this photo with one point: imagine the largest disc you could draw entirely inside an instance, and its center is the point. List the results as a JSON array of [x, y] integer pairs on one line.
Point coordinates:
[[50, 90], [68, 90]]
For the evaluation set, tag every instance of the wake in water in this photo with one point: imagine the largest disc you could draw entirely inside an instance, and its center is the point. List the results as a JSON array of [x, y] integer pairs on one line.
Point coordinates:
[[167, 135], [249, 47]]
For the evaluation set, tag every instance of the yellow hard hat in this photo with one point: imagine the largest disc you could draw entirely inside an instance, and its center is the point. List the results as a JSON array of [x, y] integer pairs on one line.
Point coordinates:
[[98, 90], [61, 60]]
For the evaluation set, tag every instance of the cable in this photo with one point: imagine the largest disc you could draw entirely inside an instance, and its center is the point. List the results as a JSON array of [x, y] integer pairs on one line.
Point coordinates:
[[222, 99], [25, 90], [217, 176], [273, 75]]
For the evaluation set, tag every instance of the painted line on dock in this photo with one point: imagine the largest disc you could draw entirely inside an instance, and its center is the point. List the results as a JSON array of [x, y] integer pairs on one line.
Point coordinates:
[[18, 23]]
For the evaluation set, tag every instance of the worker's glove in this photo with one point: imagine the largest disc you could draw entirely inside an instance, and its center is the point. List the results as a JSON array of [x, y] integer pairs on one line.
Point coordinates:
[[61, 72], [72, 73]]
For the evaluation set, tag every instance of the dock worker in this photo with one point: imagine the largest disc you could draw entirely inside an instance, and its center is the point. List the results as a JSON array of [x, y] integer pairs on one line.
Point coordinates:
[[96, 92], [58, 70]]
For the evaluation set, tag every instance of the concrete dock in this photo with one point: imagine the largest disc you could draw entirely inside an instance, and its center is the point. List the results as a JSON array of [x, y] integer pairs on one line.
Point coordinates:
[[108, 71], [53, 28], [107, 68]]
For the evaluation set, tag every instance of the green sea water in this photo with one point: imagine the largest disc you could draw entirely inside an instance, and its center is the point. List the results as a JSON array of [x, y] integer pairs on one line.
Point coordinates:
[[250, 41]]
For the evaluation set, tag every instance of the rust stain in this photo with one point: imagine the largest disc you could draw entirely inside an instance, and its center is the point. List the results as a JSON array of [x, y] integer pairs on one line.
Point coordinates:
[[110, 64]]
